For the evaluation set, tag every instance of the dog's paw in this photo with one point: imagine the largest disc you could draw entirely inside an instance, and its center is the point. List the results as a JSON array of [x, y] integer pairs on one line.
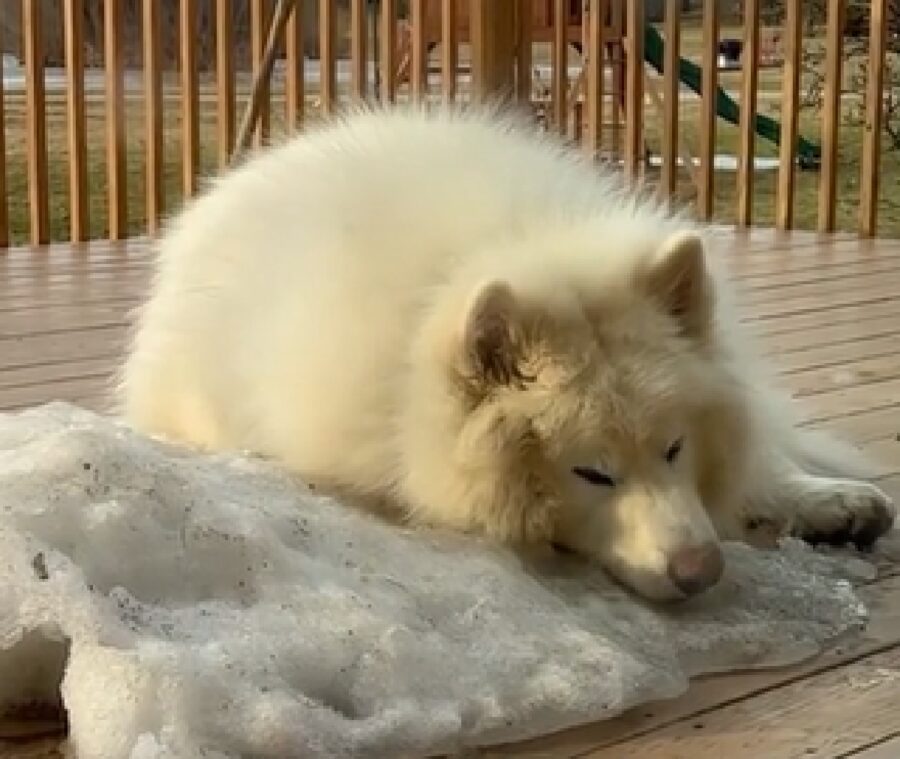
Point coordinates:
[[763, 531], [842, 511]]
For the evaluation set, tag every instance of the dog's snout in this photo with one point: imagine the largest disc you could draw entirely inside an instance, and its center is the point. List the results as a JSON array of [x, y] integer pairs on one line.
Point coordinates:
[[694, 569]]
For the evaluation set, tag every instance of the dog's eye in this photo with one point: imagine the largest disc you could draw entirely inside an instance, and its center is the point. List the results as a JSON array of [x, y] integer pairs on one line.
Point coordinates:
[[674, 450], [594, 476]]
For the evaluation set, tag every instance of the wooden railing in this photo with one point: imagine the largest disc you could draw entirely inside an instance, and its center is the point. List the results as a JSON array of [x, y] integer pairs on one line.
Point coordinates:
[[585, 69]]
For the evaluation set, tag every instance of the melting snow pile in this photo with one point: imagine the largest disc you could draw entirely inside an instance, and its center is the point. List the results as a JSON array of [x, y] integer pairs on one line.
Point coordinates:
[[193, 604]]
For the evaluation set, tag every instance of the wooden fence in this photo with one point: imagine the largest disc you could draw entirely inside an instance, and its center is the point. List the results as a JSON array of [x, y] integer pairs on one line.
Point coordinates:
[[598, 92]]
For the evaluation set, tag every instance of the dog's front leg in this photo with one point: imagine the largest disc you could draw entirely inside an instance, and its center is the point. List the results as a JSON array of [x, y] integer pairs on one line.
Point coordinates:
[[786, 500]]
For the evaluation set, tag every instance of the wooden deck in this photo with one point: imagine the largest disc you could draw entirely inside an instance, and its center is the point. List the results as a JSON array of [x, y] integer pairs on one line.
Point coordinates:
[[826, 309]]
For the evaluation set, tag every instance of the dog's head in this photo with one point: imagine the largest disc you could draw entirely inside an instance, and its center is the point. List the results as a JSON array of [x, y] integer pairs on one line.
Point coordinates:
[[605, 397]]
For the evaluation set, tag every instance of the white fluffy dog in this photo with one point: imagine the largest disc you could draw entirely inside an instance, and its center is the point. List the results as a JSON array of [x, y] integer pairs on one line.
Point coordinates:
[[450, 314]]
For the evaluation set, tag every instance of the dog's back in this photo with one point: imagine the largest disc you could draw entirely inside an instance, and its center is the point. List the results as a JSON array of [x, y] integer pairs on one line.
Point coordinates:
[[286, 297]]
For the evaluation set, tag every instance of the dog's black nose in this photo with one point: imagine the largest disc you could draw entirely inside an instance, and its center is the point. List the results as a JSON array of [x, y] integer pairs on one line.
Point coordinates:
[[696, 568]]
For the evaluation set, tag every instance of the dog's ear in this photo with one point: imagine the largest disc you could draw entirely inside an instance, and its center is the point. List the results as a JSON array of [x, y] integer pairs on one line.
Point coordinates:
[[677, 277], [492, 334]]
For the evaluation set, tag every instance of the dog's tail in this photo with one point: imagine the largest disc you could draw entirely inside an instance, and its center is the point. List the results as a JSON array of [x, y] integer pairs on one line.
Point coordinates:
[[820, 453], [815, 451]]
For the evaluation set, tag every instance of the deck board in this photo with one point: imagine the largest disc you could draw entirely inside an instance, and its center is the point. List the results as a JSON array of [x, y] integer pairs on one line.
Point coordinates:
[[709, 694], [887, 748], [860, 697], [826, 310]]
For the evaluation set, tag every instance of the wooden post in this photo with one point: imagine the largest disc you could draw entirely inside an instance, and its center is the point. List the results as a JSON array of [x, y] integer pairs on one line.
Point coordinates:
[[259, 23], [594, 94], [871, 150], [560, 67], [709, 86], [449, 51], [190, 98], [153, 116], [790, 114], [668, 183], [634, 91], [387, 30], [76, 131], [116, 148], [750, 78], [4, 203], [418, 58], [359, 29], [225, 98], [831, 115], [294, 76], [327, 61], [36, 122], [493, 30]]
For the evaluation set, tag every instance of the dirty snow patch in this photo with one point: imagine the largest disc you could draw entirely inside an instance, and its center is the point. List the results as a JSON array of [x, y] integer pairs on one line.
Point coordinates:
[[194, 604]]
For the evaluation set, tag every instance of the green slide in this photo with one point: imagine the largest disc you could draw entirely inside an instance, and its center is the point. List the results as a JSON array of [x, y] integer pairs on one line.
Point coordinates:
[[690, 74]]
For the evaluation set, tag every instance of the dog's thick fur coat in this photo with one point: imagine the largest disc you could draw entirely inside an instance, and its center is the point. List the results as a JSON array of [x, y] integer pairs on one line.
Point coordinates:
[[453, 315]]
